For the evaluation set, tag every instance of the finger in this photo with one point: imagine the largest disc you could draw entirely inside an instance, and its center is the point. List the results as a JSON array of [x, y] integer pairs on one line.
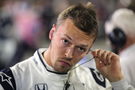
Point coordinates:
[[108, 57], [94, 53], [99, 63], [101, 56], [104, 57], [99, 53]]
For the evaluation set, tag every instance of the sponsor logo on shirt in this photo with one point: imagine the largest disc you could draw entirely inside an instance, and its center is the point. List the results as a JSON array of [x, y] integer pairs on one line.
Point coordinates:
[[41, 86], [5, 78], [98, 77]]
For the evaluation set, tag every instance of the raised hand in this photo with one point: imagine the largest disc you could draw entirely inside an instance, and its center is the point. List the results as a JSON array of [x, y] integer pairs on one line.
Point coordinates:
[[108, 64]]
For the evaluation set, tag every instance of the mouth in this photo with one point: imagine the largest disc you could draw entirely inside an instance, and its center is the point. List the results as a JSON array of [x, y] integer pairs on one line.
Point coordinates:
[[64, 63]]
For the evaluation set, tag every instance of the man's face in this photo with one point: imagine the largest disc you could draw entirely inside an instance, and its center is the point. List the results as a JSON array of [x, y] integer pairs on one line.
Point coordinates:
[[68, 46]]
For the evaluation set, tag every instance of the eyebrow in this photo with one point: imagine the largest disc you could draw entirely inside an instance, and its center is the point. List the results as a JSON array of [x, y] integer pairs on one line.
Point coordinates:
[[68, 37], [81, 45]]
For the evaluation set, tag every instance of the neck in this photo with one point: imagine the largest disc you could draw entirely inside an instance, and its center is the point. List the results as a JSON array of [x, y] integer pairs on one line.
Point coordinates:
[[46, 56]]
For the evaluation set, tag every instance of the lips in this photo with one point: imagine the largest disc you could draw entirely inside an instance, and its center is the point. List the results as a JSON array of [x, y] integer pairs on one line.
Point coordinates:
[[65, 63]]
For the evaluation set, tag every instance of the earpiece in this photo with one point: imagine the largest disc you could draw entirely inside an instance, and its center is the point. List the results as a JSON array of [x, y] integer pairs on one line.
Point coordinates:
[[117, 38]]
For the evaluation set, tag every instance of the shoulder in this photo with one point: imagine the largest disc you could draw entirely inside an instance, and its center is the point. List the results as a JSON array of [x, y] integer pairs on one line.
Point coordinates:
[[21, 71], [8, 76], [7, 80], [24, 65], [94, 77]]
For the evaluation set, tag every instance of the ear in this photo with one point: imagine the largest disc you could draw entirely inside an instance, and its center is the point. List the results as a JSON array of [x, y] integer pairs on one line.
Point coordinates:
[[52, 31]]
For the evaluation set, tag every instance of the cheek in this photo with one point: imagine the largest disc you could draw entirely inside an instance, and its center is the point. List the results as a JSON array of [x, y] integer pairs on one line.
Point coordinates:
[[57, 44], [78, 58], [58, 50]]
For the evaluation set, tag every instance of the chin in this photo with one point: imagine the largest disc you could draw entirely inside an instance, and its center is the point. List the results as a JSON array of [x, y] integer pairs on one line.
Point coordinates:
[[62, 70]]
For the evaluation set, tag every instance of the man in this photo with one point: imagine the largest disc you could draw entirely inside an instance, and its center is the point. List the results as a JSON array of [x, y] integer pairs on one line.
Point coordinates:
[[55, 68], [120, 30]]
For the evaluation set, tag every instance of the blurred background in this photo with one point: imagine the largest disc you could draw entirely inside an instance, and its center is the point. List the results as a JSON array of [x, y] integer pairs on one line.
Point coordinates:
[[25, 24]]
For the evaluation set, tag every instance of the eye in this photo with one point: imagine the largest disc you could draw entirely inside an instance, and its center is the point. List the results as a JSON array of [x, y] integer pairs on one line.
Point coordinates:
[[65, 41], [81, 49]]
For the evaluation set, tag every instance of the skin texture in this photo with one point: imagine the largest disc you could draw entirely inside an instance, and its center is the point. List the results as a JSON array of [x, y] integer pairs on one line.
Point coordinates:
[[68, 46]]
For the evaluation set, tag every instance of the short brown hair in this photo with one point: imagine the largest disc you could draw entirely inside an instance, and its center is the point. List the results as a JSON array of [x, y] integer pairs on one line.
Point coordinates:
[[83, 16]]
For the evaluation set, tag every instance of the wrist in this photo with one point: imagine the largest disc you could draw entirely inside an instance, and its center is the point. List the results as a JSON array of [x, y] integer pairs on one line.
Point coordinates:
[[116, 78]]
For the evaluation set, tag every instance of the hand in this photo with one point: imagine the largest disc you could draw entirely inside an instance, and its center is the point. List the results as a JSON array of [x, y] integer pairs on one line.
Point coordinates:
[[108, 64]]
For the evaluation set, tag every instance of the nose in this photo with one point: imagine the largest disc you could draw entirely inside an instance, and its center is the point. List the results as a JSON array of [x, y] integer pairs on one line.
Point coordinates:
[[69, 53]]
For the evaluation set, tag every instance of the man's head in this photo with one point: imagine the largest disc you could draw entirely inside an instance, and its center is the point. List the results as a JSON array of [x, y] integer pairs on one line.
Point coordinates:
[[72, 37], [121, 29], [83, 17]]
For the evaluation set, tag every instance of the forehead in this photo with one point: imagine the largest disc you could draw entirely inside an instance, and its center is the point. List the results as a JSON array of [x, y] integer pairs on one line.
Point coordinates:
[[67, 28]]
